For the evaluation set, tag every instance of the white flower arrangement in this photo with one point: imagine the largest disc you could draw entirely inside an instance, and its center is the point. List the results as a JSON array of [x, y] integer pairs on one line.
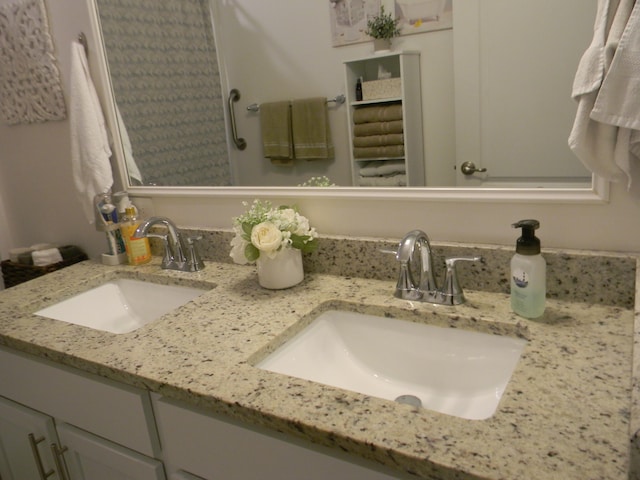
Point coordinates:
[[265, 230]]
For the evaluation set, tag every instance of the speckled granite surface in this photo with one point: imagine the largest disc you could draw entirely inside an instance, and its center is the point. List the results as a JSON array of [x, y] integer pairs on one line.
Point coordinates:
[[566, 413]]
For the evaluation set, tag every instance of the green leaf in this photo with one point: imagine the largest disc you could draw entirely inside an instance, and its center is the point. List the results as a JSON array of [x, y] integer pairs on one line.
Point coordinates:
[[251, 252], [303, 242], [246, 228]]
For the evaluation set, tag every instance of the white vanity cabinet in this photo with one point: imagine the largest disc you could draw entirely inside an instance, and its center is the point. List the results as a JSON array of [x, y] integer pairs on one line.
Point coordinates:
[[101, 429], [211, 446], [375, 158]]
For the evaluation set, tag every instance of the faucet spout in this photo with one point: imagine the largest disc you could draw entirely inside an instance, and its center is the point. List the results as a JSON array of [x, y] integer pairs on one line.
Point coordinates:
[[415, 242], [174, 258], [424, 288]]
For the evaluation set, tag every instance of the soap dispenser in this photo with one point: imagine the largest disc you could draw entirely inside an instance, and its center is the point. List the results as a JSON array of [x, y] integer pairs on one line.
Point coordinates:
[[528, 273]]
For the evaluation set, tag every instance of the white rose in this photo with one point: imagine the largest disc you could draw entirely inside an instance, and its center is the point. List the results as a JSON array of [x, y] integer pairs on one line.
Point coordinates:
[[266, 237]]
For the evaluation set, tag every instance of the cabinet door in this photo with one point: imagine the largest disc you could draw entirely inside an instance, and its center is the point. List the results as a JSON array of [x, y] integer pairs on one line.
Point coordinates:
[[92, 458], [20, 456]]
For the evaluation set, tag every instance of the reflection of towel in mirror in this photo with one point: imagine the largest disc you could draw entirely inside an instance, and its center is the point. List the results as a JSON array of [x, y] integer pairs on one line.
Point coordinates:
[[382, 168], [275, 123], [90, 150], [399, 180], [377, 113], [377, 128], [135, 177], [378, 140], [606, 131], [311, 132], [386, 151]]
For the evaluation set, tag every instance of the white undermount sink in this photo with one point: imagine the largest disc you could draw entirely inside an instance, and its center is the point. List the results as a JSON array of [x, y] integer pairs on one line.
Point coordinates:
[[121, 305], [452, 371]]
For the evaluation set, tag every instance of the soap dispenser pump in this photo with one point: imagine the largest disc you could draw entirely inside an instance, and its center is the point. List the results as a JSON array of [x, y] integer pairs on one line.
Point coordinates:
[[528, 273]]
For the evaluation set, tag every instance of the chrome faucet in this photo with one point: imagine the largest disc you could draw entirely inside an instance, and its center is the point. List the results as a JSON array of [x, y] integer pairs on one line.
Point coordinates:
[[424, 288], [174, 247]]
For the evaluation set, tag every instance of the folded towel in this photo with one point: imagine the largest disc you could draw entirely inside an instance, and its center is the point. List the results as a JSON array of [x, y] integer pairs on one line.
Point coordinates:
[[311, 132], [275, 123], [389, 151], [388, 181], [379, 140], [46, 257], [377, 113], [90, 150], [377, 128], [382, 168]]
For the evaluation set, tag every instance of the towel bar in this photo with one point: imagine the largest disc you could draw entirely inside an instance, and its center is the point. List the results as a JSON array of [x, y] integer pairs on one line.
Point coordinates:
[[338, 100]]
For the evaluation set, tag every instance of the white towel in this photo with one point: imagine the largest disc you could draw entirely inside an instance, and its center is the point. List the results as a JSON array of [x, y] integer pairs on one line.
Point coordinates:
[[606, 133], [90, 150], [132, 167], [42, 258]]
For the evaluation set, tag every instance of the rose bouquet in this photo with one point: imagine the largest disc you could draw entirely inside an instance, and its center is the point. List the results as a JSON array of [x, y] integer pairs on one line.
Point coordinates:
[[265, 230]]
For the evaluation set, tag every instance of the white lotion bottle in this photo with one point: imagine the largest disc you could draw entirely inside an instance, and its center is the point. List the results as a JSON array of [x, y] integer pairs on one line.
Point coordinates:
[[528, 273]]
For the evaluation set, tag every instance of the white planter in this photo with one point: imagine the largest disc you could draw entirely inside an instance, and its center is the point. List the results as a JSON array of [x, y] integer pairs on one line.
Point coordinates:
[[283, 271]]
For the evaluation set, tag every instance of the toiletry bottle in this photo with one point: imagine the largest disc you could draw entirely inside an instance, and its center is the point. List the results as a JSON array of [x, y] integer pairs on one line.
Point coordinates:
[[528, 273], [359, 90], [138, 249]]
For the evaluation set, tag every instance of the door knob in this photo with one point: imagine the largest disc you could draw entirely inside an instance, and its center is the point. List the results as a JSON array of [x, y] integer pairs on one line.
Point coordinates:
[[469, 168]]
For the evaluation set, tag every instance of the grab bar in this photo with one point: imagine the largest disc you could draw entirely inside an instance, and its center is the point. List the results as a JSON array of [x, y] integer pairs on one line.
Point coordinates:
[[338, 100], [234, 96]]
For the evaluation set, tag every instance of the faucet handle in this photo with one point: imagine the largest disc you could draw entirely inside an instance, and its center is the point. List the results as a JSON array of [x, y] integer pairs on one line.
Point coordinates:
[[195, 262], [451, 290]]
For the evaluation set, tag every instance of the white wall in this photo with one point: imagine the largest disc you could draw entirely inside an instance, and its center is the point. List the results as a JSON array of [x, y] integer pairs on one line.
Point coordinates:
[[37, 190]]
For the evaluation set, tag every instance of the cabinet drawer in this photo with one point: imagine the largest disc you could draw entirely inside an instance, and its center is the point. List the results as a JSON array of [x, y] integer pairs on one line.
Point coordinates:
[[111, 410]]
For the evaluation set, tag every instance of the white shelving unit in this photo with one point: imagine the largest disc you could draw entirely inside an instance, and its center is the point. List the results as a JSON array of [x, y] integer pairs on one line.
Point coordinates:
[[406, 67]]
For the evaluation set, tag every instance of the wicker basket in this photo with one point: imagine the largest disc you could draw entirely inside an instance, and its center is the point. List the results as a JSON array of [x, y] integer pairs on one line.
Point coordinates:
[[14, 273]]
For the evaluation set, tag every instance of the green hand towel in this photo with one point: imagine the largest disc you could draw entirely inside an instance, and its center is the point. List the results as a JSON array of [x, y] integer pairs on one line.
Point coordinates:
[[311, 132], [275, 123]]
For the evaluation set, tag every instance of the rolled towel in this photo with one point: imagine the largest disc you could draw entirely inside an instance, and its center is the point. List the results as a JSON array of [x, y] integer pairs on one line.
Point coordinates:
[[390, 181], [389, 151], [42, 258], [382, 168], [379, 140], [377, 128], [378, 113]]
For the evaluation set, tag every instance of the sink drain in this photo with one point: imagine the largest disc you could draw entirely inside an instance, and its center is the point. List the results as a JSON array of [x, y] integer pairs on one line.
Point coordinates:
[[409, 400]]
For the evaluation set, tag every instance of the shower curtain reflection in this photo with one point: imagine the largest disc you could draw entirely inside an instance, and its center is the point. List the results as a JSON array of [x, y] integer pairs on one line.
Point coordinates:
[[166, 81]]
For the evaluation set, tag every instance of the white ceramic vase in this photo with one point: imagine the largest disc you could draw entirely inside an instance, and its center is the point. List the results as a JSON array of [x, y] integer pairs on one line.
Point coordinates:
[[283, 271], [381, 45]]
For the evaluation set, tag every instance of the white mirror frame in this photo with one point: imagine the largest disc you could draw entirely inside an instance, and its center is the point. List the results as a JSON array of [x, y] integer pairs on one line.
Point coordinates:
[[597, 193]]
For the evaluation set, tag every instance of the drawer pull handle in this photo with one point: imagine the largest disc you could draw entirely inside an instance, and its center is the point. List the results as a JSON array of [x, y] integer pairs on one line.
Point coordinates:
[[58, 457], [33, 441]]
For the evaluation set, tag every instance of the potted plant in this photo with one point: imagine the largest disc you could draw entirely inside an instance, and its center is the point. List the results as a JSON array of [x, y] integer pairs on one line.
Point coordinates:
[[382, 28]]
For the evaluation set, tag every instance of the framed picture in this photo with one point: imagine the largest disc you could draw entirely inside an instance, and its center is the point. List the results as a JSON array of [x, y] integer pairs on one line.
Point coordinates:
[[349, 20], [349, 17], [417, 16]]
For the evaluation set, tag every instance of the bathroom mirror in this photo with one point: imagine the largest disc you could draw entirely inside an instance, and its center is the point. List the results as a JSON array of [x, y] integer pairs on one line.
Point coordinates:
[[479, 96]]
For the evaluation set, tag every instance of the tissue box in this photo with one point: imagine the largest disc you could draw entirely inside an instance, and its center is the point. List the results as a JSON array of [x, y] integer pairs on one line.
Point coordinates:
[[377, 89]]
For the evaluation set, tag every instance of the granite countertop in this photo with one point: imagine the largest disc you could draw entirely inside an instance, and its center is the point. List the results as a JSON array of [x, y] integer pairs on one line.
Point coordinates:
[[565, 414]]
